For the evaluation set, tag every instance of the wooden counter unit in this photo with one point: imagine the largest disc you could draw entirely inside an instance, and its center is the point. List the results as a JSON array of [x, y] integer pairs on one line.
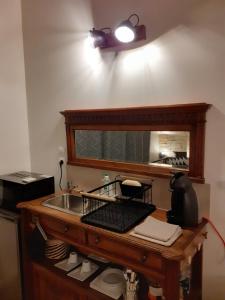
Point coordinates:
[[155, 262]]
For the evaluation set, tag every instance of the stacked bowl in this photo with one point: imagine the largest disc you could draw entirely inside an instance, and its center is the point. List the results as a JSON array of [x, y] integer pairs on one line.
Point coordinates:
[[56, 249]]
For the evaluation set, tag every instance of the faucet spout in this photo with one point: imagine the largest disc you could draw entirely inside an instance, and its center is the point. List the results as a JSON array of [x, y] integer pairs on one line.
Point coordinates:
[[72, 188]]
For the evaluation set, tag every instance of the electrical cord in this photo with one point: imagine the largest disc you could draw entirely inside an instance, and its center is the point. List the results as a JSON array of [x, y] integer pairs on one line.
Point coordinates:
[[61, 173], [215, 229]]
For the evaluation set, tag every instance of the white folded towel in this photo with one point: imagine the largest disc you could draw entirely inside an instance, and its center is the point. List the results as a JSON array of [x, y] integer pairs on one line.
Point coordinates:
[[131, 182], [167, 243], [157, 230]]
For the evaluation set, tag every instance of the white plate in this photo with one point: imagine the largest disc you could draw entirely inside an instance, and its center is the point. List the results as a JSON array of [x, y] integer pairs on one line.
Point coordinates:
[[102, 284], [82, 276], [64, 265]]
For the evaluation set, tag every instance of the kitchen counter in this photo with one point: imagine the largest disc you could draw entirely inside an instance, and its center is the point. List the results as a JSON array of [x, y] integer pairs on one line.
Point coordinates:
[[157, 263]]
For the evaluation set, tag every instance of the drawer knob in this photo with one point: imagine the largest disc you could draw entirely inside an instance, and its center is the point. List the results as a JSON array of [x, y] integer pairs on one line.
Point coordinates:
[[97, 239], [66, 228], [143, 258]]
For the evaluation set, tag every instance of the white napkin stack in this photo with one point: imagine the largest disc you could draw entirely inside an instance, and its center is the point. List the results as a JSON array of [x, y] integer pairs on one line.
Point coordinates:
[[157, 231]]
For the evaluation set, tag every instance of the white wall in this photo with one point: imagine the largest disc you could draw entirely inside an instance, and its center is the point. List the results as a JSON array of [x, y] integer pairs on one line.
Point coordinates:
[[57, 73], [182, 61], [14, 149]]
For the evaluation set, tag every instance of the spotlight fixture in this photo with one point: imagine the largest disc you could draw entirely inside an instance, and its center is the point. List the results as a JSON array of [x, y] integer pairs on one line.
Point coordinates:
[[125, 33], [99, 37]]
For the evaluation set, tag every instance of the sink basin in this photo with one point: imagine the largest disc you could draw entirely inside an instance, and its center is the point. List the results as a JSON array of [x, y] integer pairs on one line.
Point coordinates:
[[67, 203]]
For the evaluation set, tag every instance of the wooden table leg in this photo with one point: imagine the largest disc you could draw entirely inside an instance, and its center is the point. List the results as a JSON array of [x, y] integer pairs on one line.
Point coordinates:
[[171, 289], [196, 278]]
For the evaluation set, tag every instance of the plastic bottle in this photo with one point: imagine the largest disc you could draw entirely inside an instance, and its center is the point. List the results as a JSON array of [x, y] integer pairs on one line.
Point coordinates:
[[106, 180]]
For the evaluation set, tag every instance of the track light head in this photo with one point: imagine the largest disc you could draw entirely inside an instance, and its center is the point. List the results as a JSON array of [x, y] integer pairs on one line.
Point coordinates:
[[98, 38], [125, 33]]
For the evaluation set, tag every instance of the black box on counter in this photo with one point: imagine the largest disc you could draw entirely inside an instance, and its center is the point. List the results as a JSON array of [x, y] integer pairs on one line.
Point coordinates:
[[23, 186]]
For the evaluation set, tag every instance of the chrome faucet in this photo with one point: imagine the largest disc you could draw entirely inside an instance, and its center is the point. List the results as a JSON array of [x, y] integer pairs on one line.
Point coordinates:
[[71, 187]]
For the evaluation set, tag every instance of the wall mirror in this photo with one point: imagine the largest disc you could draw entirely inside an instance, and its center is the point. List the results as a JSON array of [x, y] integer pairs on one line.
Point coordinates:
[[154, 141], [162, 148]]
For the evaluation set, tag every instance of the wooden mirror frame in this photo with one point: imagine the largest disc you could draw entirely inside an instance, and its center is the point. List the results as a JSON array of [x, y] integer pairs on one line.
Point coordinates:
[[184, 117]]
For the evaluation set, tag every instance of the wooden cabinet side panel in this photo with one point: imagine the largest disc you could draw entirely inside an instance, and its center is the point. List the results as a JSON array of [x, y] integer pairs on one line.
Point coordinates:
[[48, 286]]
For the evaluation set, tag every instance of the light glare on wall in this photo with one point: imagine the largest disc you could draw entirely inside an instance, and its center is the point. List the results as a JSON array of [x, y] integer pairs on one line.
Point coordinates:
[[92, 56], [132, 60], [151, 52]]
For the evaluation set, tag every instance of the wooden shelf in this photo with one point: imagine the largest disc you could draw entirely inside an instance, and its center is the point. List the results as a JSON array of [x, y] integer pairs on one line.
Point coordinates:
[[48, 271]]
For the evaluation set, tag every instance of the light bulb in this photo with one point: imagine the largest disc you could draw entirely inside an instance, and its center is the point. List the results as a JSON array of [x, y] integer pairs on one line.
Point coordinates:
[[124, 34]]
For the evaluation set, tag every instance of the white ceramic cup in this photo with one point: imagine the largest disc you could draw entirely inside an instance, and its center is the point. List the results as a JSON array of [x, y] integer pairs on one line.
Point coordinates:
[[72, 258], [85, 267]]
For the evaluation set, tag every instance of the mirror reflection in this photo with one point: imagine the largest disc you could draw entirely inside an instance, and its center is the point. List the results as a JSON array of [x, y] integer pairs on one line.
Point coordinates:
[[160, 148]]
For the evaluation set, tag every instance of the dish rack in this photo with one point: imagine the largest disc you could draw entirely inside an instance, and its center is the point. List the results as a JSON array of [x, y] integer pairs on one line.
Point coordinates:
[[116, 206]]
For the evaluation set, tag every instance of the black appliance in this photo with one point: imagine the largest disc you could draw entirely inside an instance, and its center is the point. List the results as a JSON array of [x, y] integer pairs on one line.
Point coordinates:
[[184, 203], [14, 188], [23, 186]]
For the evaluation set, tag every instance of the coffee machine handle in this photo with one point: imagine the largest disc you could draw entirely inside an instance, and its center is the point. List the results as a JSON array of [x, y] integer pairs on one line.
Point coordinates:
[[174, 178]]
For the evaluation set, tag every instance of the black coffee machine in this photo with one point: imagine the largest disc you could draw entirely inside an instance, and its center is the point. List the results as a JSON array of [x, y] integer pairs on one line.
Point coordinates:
[[184, 203]]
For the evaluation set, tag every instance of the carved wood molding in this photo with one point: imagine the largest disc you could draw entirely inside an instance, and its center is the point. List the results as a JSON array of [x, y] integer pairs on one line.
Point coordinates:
[[149, 115]]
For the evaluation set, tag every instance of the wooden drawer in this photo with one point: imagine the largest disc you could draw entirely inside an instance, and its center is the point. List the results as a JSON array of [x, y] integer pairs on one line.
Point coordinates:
[[67, 231], [126, 251]]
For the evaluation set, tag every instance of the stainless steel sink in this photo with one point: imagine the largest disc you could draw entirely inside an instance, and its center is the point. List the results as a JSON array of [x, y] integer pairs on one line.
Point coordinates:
[[67, 203]]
